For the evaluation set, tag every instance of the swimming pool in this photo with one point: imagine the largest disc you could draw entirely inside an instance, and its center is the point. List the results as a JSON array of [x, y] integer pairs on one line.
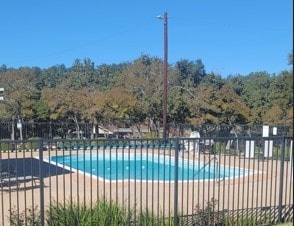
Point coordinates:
[[145, 167]]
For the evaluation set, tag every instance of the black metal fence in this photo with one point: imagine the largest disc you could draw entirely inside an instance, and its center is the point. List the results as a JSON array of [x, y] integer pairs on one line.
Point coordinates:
[[177, 181], [53, 130]]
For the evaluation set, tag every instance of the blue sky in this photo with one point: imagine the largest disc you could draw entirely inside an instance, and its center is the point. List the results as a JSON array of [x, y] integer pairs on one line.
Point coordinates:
[[229, 36]]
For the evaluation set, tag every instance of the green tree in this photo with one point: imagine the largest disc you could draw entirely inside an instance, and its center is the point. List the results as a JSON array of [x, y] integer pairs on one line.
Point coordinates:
[[281, 90], [68, 104], [53, 76], [274, 116], [20, 95], [178, 109], [201, 101], [80, 73], [191, 70], [201, 109], [281, 96], [120, 107], [20, 92], [106, 75], [232, 109], [255, 93], [143, 79], [41, 110]]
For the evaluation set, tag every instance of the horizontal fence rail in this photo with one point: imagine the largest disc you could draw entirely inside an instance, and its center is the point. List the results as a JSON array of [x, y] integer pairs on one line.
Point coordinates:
[[176, 181]]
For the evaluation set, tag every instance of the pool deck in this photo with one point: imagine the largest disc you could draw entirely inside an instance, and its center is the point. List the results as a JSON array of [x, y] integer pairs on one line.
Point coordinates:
[[255, 190]]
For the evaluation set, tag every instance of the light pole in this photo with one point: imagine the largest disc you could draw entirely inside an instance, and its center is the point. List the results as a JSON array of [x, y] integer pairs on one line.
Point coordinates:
[[164, 18]]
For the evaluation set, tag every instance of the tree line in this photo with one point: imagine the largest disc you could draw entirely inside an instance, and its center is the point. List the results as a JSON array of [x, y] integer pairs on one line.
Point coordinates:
[[130, 94]]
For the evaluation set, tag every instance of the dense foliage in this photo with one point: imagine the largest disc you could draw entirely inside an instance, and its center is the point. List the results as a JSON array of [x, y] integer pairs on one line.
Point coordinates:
[[131, 94]]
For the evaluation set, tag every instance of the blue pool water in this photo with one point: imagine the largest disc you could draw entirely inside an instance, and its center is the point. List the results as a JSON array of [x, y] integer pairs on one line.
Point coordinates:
[[145, 167]]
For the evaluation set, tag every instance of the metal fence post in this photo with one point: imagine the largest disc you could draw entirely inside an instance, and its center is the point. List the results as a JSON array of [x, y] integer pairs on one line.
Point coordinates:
[[177, 149], [42, 220], [281, 180]]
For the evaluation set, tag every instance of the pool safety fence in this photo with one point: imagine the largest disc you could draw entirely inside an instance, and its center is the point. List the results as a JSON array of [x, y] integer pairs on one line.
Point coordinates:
[[64, 130], [176, 181]]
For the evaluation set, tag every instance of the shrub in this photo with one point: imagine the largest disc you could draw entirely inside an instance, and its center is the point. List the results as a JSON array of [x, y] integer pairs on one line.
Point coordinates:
[[6, 145], [103, 213], [208, 215], [33, 143], [30, 216], [149, 135]]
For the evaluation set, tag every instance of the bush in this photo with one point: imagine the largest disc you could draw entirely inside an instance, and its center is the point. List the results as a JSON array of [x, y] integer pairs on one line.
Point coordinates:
[[33, 143], [103, 213], [30, 216], [208, 214], [6, 145], [149, 135]]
